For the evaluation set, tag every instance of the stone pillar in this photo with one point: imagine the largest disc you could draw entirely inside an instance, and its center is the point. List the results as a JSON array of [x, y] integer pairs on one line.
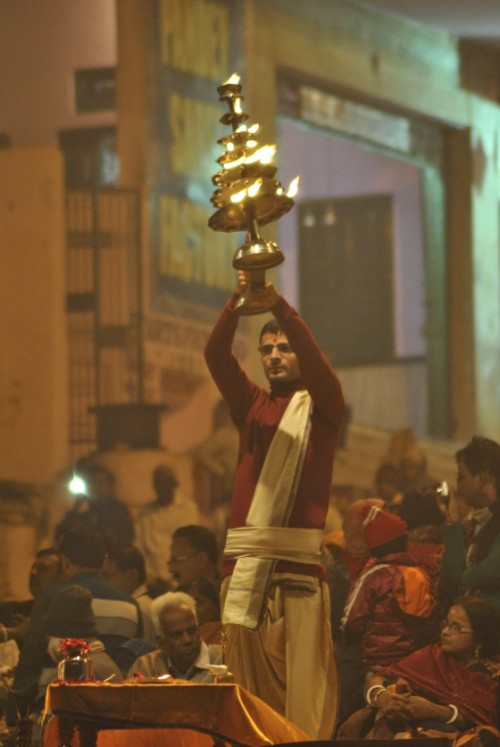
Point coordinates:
[[33, 362]]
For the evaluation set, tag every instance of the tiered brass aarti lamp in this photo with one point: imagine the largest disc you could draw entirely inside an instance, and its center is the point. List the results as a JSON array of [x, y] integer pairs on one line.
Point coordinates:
[[248, 196]]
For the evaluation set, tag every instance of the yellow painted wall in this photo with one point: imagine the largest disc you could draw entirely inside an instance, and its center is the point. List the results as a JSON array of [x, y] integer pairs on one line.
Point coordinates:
[[342, 48], [33, 360]]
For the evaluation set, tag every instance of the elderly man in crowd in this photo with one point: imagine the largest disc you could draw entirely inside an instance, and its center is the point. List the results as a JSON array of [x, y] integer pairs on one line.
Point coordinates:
[[181, 653]]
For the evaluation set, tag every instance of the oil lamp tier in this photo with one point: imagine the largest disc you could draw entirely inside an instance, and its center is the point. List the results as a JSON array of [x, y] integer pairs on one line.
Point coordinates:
[[245, 171], [233, 216]]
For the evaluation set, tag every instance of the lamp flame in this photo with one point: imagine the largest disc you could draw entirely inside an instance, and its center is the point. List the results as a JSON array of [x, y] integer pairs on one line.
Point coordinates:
[[232, 81], [233, 164], [263, 155], [252, 191], [293, 188], [239, 196]]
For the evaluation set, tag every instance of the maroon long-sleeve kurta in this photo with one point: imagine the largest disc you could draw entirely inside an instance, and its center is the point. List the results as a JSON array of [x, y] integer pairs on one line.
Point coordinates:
[[257, 413]]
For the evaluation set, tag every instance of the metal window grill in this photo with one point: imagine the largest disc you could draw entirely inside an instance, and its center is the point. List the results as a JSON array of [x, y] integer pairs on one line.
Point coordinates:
[[104, 307]]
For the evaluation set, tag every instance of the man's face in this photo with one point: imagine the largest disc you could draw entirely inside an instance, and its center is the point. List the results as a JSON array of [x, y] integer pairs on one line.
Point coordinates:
[[45, 571], [278, 359], [470, 487], [125, 581], [100, 485], [181, 638], [165, 485], [185, 563]]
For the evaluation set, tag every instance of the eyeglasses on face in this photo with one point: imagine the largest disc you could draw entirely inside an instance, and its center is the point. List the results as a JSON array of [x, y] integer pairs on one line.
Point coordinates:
[[181, 558], [455, 627], [282, 347]]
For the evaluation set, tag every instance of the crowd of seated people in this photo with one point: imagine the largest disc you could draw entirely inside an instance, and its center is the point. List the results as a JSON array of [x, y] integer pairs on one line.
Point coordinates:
[[97, 592], [448, 682], [397, 569]]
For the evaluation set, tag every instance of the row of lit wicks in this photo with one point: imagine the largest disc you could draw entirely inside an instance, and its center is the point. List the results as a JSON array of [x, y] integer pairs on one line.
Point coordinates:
[[263, 155]]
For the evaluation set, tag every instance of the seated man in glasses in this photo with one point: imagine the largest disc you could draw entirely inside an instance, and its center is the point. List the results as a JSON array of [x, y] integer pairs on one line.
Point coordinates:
[[181, 653], [274, 581]]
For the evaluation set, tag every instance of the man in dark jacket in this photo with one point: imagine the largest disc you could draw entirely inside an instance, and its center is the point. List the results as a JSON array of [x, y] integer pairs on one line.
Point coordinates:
[[472, 547]]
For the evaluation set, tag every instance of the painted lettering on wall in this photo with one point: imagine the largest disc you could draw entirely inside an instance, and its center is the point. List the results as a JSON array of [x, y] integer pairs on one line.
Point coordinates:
[[189, 250], [193, 37], [195, 128]]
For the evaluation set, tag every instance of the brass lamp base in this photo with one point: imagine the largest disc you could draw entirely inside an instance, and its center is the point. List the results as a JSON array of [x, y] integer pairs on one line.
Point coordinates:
[[258, 254], [248, 306]]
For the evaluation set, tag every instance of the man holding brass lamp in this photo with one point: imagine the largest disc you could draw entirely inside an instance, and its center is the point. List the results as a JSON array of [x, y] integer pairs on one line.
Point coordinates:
[[276, 605]]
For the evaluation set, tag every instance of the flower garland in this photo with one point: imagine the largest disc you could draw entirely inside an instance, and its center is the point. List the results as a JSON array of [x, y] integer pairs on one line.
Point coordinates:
[[73, 646]]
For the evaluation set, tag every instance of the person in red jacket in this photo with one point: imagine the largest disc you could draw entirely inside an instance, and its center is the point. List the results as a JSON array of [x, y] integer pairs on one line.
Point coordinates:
[[389, 607], [276, 605]]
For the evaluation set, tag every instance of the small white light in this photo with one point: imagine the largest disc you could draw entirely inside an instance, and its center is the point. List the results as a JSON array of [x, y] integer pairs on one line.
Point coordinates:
[[263, 155], [252, 191], [292, 189], [233, 80], [239, 196], [233, 164], [77, 486]]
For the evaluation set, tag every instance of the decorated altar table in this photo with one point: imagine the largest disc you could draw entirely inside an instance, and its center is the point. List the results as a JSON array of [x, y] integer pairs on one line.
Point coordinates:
[[183, 714]]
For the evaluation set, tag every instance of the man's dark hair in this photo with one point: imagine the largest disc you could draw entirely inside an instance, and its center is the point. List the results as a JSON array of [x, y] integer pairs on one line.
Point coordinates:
[[83, 546], [271, 327], [130, 559], [201, 539], [399, 544], [482, 454], [485, 622], [419, 508]]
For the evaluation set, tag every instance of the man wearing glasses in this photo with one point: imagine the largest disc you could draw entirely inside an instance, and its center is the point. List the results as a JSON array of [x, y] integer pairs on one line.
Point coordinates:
[[276, 604]]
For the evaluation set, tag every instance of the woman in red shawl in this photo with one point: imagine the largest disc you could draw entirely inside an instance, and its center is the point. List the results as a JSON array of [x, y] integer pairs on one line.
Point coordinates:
[[446, 689]]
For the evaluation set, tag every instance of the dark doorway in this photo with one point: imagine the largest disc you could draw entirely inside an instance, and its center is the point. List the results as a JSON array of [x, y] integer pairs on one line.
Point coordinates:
[[90, 157]]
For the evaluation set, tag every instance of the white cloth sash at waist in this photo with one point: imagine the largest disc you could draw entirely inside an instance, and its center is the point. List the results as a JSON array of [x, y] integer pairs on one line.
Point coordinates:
[[275, 543]]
